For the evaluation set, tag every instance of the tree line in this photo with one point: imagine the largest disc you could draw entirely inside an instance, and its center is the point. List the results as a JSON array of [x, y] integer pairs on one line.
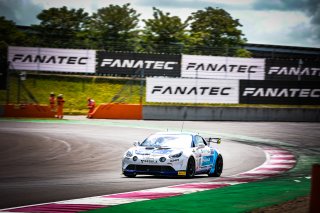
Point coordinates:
[[211, 31]]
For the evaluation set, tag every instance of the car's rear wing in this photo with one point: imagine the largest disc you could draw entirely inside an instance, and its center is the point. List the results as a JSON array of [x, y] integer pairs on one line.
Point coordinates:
[[213, 140]]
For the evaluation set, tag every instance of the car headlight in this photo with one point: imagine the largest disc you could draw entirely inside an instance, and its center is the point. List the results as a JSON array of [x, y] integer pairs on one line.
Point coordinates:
[[129, 154], [176, 155], [162, 159]]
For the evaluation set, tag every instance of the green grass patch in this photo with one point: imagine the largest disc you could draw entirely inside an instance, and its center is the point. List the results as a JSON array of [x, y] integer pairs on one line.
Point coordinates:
[[102, 89], [237, 198], [75, 89]]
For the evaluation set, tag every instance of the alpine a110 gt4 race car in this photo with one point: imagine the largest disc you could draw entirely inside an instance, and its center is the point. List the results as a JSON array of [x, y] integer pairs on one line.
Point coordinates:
[[173, 154]]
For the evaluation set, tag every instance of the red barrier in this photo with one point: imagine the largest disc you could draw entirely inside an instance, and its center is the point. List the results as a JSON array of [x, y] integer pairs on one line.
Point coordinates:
[[118, 111], [28, 110]]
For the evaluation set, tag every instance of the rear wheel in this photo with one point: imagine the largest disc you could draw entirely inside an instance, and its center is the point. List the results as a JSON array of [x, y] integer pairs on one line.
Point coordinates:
[[191, 168], [218, 167]]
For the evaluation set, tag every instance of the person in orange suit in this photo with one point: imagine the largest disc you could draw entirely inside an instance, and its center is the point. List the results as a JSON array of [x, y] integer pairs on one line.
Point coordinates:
[[60, 103], [91, 106], [52, 101]]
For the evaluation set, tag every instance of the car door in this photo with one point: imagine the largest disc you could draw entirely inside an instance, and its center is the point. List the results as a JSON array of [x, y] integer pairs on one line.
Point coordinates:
[[203, 153]]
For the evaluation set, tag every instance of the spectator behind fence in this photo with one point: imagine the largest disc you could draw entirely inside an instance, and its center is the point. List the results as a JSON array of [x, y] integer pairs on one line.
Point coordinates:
[[60, 103], [91, 107], [52, 101]]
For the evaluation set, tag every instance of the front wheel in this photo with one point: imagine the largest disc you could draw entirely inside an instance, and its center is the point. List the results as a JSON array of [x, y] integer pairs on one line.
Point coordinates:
[[191, 168], [218, 167]]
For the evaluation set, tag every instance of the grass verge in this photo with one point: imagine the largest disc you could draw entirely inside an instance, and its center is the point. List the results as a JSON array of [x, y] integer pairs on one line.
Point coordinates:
[[76, 90]]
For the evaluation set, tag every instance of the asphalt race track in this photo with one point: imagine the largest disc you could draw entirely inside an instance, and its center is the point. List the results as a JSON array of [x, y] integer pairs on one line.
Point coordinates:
[[52, 161]]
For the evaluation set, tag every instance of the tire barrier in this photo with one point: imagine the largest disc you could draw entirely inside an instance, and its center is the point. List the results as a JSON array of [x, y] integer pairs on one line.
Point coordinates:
[[118, 111], [28, 110]]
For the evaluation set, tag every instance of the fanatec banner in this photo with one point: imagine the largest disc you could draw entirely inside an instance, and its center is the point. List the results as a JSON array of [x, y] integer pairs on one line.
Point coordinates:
[[279, 92], [52, 59], [138, 64], [195, 66], [292, 70], [179, 90]]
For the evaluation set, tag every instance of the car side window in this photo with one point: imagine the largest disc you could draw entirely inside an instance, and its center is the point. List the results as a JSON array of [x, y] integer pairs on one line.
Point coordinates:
[[199, 140], [203, 141]]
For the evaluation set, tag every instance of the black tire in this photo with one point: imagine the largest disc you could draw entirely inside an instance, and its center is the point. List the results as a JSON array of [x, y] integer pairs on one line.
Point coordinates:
[[191, 168], [218, 167]]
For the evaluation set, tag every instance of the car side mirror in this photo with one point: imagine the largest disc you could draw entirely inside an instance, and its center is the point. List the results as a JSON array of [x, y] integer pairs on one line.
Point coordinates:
[[201, 146], [136, 143]]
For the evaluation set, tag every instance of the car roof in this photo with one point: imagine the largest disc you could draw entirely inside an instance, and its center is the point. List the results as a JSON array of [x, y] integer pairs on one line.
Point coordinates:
[[175, 133]]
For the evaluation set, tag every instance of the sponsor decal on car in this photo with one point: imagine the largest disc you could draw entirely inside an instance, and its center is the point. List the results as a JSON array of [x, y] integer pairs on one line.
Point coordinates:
[[207, 160], [182, 173], [149, 160]]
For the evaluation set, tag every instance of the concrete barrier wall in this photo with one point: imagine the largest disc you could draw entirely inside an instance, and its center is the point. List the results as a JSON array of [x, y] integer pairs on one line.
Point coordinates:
[[229, 114]]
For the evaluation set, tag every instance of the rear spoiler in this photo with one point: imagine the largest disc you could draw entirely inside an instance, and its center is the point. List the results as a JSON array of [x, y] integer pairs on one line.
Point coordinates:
[[213, 140]]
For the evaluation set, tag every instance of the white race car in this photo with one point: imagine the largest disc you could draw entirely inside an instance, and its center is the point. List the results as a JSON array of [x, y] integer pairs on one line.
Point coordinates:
[[173, 154]]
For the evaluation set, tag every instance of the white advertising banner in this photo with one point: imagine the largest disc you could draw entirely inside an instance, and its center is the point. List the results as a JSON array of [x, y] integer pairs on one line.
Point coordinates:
[[217, 67], [183, 90], [52, 59]]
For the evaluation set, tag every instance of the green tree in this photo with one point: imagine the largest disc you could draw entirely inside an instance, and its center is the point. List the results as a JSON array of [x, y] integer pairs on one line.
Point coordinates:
[[116, 27], [164, 33], [214, 31], [10, 35], [61, 27], [240, 52]]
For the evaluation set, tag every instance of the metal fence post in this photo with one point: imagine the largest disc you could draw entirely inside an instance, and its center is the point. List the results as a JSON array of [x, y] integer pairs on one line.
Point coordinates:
[[141, 85]]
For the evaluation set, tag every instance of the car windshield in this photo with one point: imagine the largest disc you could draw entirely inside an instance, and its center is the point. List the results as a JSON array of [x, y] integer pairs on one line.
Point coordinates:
[[170, 141]]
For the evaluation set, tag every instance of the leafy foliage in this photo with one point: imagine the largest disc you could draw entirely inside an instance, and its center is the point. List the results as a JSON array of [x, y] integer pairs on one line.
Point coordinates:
[[61, 27], [116, 25], [10, 35], [211, 31], [164, 30], [214, 28]]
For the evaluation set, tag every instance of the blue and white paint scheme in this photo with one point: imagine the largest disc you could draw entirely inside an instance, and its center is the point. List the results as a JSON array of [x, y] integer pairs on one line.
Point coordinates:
[[173, 154]]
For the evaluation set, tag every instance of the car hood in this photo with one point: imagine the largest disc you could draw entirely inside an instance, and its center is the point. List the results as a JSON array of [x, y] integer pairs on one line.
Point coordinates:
[[154, 151]]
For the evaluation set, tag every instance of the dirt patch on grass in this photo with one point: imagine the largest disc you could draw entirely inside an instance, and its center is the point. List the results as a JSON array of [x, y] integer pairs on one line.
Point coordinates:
[[299, 205]]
